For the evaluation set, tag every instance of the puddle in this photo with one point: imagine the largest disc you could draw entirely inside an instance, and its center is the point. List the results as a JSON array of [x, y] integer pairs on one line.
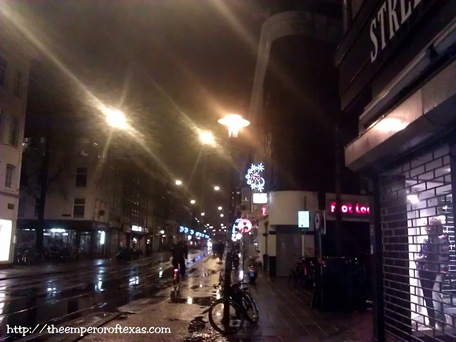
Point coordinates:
[[197, 324], [202, 301]]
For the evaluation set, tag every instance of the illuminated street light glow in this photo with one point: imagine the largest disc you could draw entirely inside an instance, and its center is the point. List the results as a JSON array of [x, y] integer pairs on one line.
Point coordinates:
[[178, 182], [219, 208], [216, 188], [234, 122], [115, 118], [221, 215], [202, 214], [207, 138], [192, 201]]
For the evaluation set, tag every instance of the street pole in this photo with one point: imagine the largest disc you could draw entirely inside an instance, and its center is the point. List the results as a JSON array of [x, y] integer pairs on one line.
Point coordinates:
[[234, 122], [231, 220]]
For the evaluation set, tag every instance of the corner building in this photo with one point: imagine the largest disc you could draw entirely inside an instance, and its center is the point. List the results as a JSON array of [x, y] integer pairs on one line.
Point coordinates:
[[294, 109], [397, 76]]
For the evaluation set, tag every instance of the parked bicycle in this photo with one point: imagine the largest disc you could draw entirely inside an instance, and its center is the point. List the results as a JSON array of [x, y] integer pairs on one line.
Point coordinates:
[[303, 272], [242, 307]]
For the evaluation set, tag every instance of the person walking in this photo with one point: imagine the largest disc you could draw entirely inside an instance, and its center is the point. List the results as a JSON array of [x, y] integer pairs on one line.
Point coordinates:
[[180, 253], [432, 264]]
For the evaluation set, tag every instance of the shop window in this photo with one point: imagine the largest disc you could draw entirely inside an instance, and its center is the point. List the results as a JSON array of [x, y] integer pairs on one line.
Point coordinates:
[[9, 176], [81, 177], [419, 249], [79, 207]]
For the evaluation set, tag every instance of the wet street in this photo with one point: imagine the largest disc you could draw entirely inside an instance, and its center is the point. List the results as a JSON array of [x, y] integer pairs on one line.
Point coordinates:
[[84, 293]]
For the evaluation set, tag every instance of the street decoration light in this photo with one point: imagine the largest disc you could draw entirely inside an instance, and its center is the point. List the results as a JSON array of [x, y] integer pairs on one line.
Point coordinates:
[[254, 178]]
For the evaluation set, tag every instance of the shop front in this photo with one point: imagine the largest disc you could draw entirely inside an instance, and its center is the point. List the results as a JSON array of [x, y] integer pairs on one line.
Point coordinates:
[[65, 239], [406, 74]]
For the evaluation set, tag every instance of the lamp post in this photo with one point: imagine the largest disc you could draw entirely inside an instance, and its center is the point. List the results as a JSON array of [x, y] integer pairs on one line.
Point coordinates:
[[234, 123]]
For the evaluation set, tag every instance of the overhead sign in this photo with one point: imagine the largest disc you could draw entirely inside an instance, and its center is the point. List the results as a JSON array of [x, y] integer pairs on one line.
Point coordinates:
[[350, 208], [244, 225], [260, 198], [303, 219], [320, 221]]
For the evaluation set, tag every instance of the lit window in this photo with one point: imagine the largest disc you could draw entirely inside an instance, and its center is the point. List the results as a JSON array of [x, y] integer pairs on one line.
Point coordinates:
[[78, 208], [9, 129], [9, 176], [81, 177]]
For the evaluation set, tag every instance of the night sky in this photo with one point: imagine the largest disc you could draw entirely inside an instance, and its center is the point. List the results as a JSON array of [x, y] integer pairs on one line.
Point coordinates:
[[171, 65]]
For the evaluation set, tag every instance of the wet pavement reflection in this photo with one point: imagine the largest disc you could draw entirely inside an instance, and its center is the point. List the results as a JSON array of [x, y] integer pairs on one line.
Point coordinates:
[[59, 297]]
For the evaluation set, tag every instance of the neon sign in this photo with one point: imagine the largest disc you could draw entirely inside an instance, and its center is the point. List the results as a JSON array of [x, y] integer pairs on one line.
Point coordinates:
[[350, 208], [253, 177]]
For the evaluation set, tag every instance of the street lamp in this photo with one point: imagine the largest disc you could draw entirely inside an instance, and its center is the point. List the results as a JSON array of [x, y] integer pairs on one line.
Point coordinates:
[[178, 182], [202, 214], [216, 188], [192, 201], [115, 118], [207, 138], [234, 123]]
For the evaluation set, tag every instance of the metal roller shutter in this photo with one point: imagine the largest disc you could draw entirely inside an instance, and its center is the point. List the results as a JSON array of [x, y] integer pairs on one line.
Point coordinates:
[[419, 266]]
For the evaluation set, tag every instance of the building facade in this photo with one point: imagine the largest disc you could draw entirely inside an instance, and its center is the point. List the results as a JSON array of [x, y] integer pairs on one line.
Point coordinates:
[[397, 73], [294, 108], [15, 60]]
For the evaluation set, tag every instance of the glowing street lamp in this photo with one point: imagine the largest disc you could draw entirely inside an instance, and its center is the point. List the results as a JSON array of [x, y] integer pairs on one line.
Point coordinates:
[[207, 138], [115, 118], [216, 188], [219, 208], [202, 214], [234, 122], [178, 182], [192, 201]]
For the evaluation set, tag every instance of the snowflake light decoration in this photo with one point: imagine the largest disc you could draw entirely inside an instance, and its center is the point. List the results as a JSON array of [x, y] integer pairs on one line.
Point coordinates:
[[253, 177]]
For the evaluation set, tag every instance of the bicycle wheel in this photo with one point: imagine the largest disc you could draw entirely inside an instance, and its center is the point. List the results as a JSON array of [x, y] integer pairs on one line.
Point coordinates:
[[250, 308], [177, 285], [235, 319]]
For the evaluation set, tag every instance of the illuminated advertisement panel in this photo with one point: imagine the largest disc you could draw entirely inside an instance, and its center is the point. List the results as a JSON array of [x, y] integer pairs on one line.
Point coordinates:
[[6, 228]]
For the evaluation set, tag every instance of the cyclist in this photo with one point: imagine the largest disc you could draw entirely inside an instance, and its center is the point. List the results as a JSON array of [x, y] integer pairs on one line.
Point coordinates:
[[180, 253]]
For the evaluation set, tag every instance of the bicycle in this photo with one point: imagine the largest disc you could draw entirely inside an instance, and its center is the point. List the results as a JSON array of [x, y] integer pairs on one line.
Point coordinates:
[[177, 283], [242, 307]]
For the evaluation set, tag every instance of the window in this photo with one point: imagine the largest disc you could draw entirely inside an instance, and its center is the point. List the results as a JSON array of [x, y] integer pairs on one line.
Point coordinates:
[[81, 177], [9, 129], [78, 208], [3, 65], [17, 83], [9, 176]]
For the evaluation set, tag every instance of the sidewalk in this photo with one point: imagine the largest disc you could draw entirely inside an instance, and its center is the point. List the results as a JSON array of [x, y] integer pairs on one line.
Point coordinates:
[[285, 315]]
